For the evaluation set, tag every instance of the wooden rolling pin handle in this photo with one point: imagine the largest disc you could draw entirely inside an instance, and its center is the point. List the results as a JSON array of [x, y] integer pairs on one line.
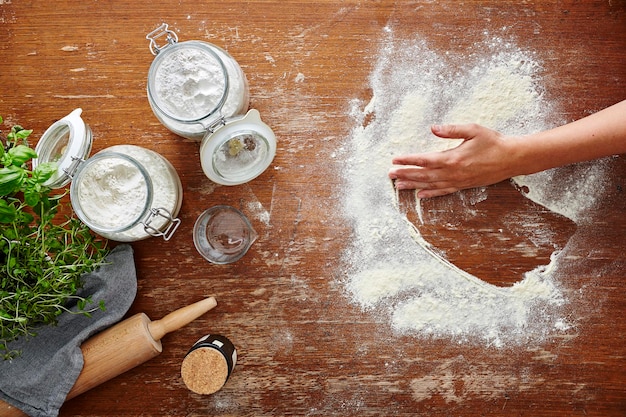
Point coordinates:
[[124, 346], [179, 318], [129, 344]]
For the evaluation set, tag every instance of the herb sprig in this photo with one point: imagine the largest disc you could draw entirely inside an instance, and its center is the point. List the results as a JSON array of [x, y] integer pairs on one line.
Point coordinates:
[[42, 259]]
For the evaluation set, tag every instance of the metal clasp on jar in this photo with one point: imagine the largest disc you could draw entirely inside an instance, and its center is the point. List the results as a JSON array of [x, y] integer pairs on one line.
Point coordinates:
[[159, 32], [71, 170], [172, 223], [216, 124]]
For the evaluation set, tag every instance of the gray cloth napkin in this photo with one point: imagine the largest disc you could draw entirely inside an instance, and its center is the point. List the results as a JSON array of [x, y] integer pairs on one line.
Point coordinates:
[[38, 381]]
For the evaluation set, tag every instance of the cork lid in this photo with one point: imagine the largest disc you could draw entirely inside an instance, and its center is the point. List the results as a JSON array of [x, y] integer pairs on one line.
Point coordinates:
[[208, 365]]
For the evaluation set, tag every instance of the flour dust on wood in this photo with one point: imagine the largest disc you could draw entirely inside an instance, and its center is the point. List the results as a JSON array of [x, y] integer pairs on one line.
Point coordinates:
[[389, 267]]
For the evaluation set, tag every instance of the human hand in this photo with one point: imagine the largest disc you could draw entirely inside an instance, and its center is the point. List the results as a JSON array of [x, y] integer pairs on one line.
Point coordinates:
[[483, 158]]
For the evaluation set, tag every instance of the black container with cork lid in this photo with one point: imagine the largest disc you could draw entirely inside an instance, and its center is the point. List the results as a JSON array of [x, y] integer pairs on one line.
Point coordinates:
[[208, 364]]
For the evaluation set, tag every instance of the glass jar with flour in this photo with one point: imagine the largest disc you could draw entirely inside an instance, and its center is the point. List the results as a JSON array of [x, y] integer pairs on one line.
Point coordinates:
[[191, 84], [124, 192], [198, 91]]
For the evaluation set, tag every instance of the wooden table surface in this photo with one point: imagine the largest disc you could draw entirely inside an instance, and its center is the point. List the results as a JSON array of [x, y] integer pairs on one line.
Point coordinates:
[[304, 348]]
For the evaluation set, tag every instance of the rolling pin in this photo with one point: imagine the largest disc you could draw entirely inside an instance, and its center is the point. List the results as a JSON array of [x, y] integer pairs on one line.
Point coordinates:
[[124, 346]]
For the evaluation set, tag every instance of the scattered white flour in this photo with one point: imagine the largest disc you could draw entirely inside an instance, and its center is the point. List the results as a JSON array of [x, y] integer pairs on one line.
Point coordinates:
[[259, 212], [300, 78], [572, 197], [390, 266]]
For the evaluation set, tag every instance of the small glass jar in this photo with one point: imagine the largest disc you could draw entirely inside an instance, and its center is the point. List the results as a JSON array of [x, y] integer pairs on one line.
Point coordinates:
[[124, 193], [193, 83], [223, 234]]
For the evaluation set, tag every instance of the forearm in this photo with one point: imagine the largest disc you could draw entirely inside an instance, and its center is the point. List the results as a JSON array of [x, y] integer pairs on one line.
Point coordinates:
[[598, 135]]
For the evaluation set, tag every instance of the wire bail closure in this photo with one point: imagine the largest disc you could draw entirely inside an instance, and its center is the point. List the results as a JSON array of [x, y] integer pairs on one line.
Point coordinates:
[[159, 32], [172, 223]]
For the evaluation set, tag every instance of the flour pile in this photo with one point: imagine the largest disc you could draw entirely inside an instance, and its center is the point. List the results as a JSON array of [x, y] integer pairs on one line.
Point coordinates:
[[390, 267]]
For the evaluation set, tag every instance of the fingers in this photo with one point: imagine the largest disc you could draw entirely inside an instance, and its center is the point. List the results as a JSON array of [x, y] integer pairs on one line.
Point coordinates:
[[417, 171], [413, 172], [414, 184], [417, 178], [416, 160], [460, 131], [426, 160], [425, 189], [404, 184]]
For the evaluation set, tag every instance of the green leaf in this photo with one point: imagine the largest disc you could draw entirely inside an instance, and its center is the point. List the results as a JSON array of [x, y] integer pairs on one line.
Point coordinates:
[[23, 134], [24, 218], [21, 153], [8, 212], [11, 179], [18, 133], [32, 197], [44, 171]]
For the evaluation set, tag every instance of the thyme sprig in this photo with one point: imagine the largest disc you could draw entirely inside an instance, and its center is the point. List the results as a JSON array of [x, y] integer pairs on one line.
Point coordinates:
[[42, 258]]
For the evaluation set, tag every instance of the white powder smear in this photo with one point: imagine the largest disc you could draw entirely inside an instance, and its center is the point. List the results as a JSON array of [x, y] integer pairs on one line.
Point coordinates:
[[390, 267], [573, 197]]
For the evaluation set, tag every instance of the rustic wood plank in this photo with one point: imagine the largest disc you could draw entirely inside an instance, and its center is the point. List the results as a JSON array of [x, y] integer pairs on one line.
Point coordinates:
[[304, 349]]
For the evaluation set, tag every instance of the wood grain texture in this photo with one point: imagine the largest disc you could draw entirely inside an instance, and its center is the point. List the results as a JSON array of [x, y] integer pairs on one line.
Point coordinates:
[[304, 349]]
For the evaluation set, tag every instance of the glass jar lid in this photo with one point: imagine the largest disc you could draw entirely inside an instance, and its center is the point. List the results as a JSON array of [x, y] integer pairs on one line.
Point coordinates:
[[111, 192], [66, 142], [187, 81], [238, 149]]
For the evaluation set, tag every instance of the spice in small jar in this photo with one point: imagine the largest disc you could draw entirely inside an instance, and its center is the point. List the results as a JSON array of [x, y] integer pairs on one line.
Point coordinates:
[[237, 150]]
